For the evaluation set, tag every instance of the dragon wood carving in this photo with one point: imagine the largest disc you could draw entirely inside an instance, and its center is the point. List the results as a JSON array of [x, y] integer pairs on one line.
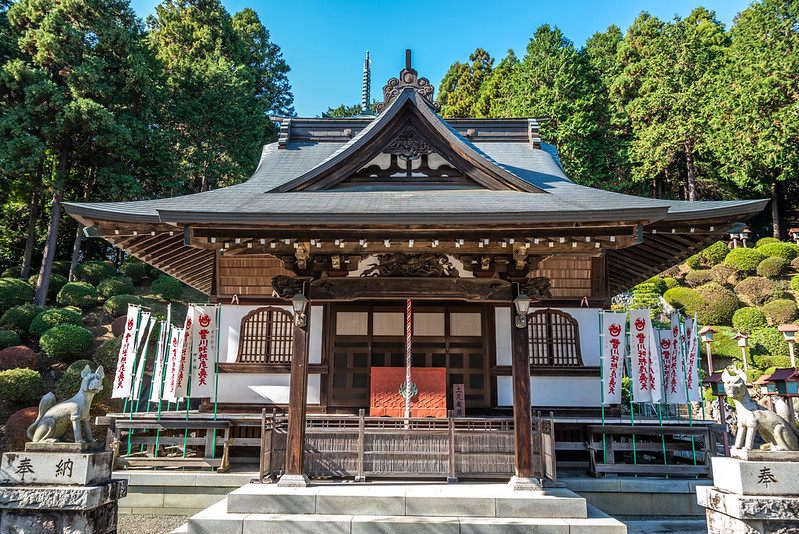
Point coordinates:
[[420, 265], [537, 288]]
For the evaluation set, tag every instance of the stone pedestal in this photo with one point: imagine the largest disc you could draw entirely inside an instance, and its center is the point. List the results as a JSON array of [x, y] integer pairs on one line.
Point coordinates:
[[756, 492], [59, 488]]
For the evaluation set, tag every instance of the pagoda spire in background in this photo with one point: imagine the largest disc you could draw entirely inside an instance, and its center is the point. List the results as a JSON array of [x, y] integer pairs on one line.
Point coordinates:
[[367, 85]]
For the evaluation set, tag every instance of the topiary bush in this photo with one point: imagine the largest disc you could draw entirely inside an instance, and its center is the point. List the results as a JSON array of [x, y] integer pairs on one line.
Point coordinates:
[[155, 273], [699, 277], [658, 283], [795, 283], [719, 304], [745, 260], [755, 290], [14, 292], [13, 272], [9, 339], [53, 317], [18, 319], [748, 319], [94, 272], [694, 262], [80, 294], [772, 267], [56, 283], [107, 354], [121, 285], [70, 382], [725, 274], [134, 270], [765, 241], [16, 428], [66, 340], [768, 341], [779, 250], [646, 295], [62, 268], [167, 287], [17, 357], [671, 283], [684, 298], [780, 311], [118, 304], [21, 385], [715, 253]]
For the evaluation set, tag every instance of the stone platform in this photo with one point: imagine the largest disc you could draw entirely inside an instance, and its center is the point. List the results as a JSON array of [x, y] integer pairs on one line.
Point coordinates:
[[348, 507]]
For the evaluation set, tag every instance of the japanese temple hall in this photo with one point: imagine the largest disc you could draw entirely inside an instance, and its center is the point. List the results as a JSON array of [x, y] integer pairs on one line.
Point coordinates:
[[461, 216]]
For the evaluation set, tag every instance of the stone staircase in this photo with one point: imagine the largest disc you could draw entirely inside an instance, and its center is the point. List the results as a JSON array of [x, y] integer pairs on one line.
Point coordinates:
[[346, 507]]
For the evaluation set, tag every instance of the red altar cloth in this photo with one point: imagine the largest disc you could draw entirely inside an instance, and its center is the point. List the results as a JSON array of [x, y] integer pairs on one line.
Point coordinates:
[[430, 401]]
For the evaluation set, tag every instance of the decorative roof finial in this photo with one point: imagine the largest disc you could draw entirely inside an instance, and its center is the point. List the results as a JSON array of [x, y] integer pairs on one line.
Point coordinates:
[[408, 78], [367, 85]]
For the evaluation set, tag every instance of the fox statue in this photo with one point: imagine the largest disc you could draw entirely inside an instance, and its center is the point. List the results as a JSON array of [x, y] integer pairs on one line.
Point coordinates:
[[781, 434], [54, 419]]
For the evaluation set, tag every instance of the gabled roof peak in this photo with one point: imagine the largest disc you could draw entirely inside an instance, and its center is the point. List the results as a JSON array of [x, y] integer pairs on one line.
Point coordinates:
[[408, 78]]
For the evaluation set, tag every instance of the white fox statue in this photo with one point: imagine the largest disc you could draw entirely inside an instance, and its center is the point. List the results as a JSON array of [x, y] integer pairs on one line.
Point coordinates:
[[54, 419]]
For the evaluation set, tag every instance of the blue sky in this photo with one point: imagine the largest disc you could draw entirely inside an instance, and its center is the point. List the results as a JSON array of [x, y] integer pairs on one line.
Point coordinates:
[[324, 42]]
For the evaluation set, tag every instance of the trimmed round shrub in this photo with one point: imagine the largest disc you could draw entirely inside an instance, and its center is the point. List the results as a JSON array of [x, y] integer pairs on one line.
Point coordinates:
[[715, 253], [118, 304], [699, 277], [772, 267], [671, 283], [683, 298], [725, 274], [765, 241], [66, 340], [56, 283], [93, 272], [659, 283], [755, 290], [167, 287], [719, 304], [694, 262], [9, 339], [134, 270], [53, 317], [17, 357], [118, 325], [21, 385], [646, 295], [748, 319], [779, 250], [107, 354], [14, 292], [780, 311], [13, 272], [79, 294], [155, 273], [778, 293], [70, 381], [18, 319], [62, 268], [769, 342], [16, 428], [795, 283], [745, 260], [121, 285]]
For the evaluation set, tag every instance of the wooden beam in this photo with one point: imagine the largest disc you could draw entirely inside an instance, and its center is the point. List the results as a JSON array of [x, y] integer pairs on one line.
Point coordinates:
[[298, 397], [522, 406]]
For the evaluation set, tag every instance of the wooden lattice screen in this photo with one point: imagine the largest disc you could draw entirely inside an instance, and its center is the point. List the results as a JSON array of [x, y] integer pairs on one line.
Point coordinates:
[[266, 336], [554, 339]]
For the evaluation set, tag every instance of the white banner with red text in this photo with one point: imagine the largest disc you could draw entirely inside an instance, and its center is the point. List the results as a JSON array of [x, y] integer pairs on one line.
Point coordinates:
[[614, 351], [123, 378], [646, 377]]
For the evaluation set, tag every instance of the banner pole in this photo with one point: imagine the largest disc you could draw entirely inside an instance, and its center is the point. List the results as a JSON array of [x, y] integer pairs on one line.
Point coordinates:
[[664, 389], [685, 379], [629, 360], [159, 355], [602, 385], [188, 386], [699, 367], [133, 377], [216, 378]]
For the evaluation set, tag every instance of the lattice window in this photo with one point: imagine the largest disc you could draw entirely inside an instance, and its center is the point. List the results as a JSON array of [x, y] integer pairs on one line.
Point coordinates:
[[554, 339], [266, 336]]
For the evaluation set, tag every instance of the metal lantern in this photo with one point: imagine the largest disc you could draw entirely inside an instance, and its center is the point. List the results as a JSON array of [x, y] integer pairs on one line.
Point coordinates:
[[707, 334], [299, 302], [522, 305], [785, 382]]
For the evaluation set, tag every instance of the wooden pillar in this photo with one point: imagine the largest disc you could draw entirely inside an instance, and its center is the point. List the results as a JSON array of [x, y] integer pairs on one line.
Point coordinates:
[[522, 410], [298, 397]]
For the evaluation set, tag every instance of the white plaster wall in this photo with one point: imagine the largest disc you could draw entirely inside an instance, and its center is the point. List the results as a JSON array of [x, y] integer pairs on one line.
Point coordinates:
[[503, 326], [553, 391], [588, 321], [262, 388]]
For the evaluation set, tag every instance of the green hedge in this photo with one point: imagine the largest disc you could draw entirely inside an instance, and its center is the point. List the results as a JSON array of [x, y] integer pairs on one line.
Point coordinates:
[[18, 319], [745, 259], [748, 319], [795, 264], [646, 295], [12, 272], [53, 317], [755, 290], [167, 287], [772, 267], [659, 283], [779, 250], [795, 283], [21, 385], [780, 311], [683, 298], [66, 340], [765, 241], [694, 262], [121, 285], [769, 345], [671, 283], [9, 339], [70, 382], [134, 270], [62, 268], [93, 272], [699, 277], [118, 304], [14, 292], [715, 253], [107, 354], [719, 304], [725, 274], [79, 294], [56, 283]]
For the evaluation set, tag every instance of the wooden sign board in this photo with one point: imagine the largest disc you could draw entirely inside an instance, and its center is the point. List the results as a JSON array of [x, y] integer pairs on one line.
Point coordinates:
[[430, 400], [458, 400]]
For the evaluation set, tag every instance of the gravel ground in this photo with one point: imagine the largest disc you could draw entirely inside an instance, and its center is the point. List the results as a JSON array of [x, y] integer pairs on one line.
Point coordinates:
[[149, 524]]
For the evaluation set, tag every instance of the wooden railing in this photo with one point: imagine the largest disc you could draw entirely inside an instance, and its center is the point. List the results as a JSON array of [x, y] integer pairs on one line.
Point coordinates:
[[451, 448]]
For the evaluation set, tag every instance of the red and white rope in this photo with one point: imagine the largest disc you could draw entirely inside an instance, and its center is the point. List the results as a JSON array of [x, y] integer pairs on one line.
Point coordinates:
[[408, 358]]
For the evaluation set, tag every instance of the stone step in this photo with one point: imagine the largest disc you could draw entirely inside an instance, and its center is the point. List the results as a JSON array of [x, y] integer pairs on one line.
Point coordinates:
[[217, 520], [428, 500]]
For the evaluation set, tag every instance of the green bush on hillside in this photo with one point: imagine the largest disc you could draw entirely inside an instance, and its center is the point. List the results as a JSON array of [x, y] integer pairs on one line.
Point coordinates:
[[765, 241], [107, 354], [12, 272], [658, 283], [779, 250], [56, 283], [134, 270], [79, 294], [118, 304], [768, 341], [62, 268], [167, 287], [121, 285], [671, 283], [9, 339], [794, 265], [93, 272], [66, 340], [725, 274], [745, 260], [70, 382], [21, 385], [18, 319], [694, 262], [755, 290], [46, 320], [772, 267], [748, 319], [646, 295], [699, 277], [780, 311], [14, 292], [719, 304], [715, 253]]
